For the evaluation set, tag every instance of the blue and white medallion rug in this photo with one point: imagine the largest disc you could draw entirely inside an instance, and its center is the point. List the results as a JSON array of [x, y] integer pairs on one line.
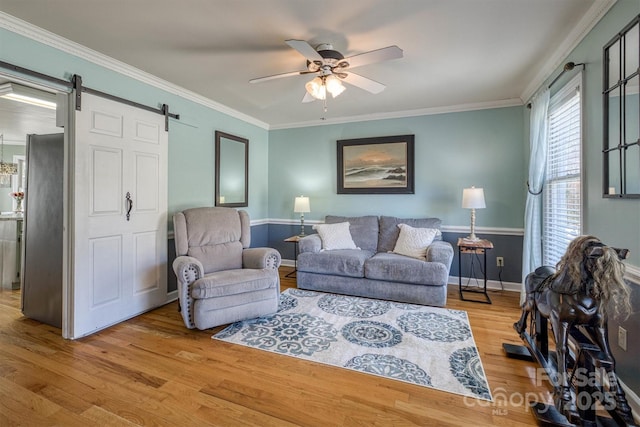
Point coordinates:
[[428, 346]]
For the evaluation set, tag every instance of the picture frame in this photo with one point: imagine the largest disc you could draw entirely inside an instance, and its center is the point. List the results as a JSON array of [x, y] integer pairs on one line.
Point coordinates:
[[377, 165]]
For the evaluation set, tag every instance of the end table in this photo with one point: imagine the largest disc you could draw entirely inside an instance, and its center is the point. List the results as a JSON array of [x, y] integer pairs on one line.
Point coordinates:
[[474, 247], [294, 240]]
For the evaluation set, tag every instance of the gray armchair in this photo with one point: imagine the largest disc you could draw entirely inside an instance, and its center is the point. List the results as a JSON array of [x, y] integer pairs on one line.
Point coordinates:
[[220, 279]]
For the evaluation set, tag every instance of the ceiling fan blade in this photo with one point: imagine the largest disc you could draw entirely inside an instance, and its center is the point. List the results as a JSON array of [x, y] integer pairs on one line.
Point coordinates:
[[305, 49], [379, 55], [364, 83], [307, 98], [278, 76]]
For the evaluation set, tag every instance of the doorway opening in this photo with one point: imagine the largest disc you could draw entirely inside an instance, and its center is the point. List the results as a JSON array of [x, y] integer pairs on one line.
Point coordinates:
[[26, 109]]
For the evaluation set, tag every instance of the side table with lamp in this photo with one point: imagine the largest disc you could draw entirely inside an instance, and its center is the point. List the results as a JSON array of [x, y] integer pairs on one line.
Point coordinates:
[[301, 205], [473, 198]]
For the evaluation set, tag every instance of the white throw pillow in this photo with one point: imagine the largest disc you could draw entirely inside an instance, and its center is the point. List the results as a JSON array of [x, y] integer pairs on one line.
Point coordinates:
[[413, 242], [335, 236]]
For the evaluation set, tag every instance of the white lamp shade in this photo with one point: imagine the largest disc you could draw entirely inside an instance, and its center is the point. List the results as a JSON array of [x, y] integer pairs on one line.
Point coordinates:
[[473, 198], [302, 205]]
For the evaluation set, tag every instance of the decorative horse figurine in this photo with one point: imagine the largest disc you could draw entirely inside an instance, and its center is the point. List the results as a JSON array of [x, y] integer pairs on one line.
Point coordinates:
[[587, 286]]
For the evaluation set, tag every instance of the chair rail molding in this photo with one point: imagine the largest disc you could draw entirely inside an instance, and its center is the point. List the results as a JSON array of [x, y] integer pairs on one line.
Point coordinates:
[[632, 274]]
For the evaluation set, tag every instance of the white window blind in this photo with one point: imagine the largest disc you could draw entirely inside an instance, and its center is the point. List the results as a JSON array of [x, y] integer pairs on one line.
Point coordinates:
[[562, 216]]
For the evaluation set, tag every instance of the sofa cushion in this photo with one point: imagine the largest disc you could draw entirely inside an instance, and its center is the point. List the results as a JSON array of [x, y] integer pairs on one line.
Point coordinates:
[[335, 236], [389, 230], [413, 242], [364, 230], [398, 268], [341, 262]]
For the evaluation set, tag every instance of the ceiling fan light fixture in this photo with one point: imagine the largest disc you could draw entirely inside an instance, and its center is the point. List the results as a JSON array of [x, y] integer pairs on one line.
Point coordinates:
[[334, 85], [316, 88]]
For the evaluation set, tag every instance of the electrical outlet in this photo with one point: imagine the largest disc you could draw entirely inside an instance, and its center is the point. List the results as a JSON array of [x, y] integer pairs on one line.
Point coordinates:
[[622, 338], [500, 261]]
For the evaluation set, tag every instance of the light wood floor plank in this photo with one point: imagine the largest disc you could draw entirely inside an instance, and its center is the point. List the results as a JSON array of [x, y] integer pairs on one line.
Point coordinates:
[[152, 370]]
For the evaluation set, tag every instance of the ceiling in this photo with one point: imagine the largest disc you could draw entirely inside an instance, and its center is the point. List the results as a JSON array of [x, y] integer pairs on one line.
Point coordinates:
[[458, 54], [18, 119]]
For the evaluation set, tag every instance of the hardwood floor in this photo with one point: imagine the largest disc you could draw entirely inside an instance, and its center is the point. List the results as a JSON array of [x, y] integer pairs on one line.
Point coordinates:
[[151, 370]]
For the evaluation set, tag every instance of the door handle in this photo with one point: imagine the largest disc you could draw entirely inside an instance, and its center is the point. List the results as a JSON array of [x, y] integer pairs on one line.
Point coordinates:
[[129, 205]]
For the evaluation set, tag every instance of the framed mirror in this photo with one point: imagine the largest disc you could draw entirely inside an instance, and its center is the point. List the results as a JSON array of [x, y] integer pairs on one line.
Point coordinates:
[[232, 170], [621, 113]]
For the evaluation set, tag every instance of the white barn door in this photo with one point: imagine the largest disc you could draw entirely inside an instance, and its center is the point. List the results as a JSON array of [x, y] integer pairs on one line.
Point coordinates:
[[119, 214]]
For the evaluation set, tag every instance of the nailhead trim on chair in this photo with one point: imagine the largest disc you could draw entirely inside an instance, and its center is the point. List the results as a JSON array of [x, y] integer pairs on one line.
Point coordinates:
[[272, 261], [190, 275]]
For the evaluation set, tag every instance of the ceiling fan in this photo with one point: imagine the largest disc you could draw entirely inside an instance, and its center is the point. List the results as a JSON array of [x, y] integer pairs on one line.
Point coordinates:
[[332, 68]]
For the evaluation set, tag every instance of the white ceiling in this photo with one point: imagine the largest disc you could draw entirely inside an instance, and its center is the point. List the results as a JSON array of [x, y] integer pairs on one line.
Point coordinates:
[[458, 54], [18, 119]]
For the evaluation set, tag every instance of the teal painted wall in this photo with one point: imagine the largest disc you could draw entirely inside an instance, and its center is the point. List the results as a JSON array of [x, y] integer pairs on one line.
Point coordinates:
[[191, 139], [615, 221], [452, 151]]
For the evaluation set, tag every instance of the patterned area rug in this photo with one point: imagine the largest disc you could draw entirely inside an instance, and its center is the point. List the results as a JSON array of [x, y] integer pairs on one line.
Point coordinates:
[[428, 346]]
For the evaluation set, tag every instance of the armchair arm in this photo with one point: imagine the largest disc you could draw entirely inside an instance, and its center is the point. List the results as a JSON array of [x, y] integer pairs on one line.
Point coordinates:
[[310, 243], [440, 251], [261, 258], [187, 270]]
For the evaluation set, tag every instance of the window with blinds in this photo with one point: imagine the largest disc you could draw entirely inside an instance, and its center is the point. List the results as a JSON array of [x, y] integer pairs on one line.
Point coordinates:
[[562, 213]]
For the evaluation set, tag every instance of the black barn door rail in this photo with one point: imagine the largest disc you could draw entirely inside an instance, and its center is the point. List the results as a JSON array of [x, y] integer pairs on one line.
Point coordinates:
[[76, 84]]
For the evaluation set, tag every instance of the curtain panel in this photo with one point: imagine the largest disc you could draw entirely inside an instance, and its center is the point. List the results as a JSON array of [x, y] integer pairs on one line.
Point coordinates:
[[532, 242]]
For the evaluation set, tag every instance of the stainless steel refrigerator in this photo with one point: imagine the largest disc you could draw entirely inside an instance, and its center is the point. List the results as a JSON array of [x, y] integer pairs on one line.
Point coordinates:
[[42, 253]]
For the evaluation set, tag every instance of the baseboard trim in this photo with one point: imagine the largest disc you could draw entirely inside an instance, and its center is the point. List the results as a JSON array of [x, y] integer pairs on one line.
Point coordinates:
[[171, 296], [288, 263], [494, 285], [633, 400]]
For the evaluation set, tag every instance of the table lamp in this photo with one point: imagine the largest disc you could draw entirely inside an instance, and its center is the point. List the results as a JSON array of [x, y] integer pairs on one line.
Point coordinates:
[[473, 198], [301, 206]]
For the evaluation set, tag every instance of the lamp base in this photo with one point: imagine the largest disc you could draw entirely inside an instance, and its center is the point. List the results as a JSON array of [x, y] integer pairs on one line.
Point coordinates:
[[472, 237]]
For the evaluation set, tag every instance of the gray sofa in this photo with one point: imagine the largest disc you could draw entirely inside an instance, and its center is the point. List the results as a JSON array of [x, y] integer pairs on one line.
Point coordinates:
[[372, 270]]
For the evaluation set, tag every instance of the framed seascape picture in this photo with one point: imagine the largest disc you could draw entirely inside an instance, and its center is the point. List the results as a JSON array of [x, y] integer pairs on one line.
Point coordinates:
[[379, 165]]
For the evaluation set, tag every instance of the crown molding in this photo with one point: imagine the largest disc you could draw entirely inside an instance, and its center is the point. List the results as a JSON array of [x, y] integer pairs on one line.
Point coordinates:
[[515, 102], [579, 32], [48, 38]]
